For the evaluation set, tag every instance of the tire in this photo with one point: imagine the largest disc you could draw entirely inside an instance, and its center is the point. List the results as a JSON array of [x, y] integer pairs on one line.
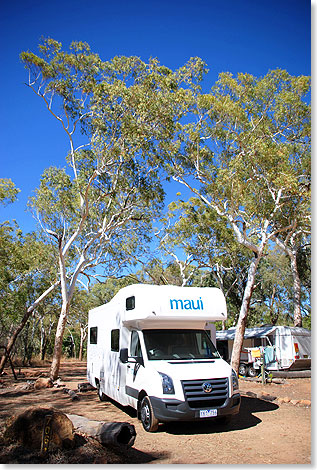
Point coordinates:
[[149, 422], [101, 395], [252, 372], [243, 369]]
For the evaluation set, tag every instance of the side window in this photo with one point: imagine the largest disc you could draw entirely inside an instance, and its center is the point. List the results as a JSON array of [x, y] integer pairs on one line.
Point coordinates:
[[135, 346], [93, 335], [115, 336], [130, 303]]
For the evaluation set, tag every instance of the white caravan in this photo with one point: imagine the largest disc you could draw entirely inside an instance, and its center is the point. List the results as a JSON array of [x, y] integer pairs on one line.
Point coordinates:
[[153, 348], [282, 348]]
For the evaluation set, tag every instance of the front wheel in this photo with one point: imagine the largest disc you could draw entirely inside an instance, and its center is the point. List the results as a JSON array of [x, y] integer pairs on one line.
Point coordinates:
[[149, 422]]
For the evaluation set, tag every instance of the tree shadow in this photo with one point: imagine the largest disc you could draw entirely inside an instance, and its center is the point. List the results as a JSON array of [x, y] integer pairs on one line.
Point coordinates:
[[126, 409], [243, 420], [135, 456]]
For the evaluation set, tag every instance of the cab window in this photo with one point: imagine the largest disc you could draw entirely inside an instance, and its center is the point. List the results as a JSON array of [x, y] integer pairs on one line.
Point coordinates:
[[135, 346]]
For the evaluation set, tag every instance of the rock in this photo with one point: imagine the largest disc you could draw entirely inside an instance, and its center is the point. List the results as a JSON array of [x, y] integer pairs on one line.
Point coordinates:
[[58, 383], [294, 402], [251, 394], [28, 429], [305, 402], [286, 399], [43, 382], [28, 386], [267, 397]]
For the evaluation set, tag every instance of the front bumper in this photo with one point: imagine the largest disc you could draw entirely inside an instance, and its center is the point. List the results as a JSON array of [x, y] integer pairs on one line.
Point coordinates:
[[167, 409]]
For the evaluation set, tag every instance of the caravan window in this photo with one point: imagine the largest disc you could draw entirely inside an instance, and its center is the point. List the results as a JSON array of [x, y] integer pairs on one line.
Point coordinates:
[[93, 335], [130, 303], [115, 335]]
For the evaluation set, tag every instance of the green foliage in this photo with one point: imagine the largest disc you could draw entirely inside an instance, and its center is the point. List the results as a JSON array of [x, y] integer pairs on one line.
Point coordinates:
[[243, 149], [246, 156], [128, 112], [8, 191], [26, 269], [251, 141]]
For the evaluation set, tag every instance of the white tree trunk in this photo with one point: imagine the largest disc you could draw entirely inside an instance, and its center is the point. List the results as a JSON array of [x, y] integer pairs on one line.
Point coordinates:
[[297, 290], [240, 329], [62, 318], [56, 361], [83, 335]]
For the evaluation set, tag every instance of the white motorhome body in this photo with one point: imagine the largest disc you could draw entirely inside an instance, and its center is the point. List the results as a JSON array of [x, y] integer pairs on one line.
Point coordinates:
[[284, 347], [149, 348]]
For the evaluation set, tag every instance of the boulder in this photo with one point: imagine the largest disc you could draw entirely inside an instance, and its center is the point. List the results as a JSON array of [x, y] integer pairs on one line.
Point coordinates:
[[43, 382], [267, 397], [305, 402], [294, 402], [41, 428]]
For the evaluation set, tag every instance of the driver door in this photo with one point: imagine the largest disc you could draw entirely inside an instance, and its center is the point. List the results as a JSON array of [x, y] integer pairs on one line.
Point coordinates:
[[135, 369]]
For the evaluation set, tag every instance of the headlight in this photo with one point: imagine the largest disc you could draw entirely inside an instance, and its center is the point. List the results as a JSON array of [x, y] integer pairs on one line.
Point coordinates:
[[167, 384], [235, 381]]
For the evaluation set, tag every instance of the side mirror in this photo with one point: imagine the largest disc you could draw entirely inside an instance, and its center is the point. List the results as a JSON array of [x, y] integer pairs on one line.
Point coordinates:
[[124, 355]]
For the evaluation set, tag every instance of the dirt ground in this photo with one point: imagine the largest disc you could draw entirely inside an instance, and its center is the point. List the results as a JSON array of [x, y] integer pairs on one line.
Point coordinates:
[[266, 431]]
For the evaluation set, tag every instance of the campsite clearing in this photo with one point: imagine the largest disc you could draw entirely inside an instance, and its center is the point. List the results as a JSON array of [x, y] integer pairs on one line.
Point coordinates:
[[273, 426]]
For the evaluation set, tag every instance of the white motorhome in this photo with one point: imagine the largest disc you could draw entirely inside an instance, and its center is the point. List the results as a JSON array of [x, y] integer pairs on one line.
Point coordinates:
[[153, 348], [282, 348]]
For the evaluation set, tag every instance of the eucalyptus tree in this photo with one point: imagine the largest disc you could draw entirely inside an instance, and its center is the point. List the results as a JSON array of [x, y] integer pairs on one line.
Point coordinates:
[[119, 117], [245, 155], [273, 297], [8, 191], [25, 283], [291, 243], [206, 241]]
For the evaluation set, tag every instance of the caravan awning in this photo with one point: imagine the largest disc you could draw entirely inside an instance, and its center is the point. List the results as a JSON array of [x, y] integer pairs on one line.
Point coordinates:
[[259, 332]]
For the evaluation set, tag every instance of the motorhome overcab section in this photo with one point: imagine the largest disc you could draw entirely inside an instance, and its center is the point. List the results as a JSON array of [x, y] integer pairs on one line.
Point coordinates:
[[153, 348]]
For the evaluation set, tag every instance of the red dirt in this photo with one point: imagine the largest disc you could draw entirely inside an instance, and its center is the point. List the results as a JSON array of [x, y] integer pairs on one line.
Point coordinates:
[[264, 432]]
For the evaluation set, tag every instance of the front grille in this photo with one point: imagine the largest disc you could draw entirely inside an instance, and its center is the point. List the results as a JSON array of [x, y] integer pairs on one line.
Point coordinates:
[[197, 398]]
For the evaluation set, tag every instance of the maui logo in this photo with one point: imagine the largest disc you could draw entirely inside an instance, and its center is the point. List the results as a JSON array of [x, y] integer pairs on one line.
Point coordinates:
[[187, 304]]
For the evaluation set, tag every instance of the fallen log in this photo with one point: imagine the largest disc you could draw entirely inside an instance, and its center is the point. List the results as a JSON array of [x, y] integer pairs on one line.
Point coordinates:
[[71, 393], [85, 387], [257, 379], [108, 434]]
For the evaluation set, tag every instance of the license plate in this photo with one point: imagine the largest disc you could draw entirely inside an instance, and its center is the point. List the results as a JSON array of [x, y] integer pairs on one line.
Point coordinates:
[[207, 413]]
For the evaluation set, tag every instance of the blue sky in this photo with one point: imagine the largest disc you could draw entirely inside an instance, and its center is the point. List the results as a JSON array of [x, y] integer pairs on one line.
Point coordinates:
[[234, 35]]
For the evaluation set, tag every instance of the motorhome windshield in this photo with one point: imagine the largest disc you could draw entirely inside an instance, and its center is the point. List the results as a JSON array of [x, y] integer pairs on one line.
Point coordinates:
[[179, 344]]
